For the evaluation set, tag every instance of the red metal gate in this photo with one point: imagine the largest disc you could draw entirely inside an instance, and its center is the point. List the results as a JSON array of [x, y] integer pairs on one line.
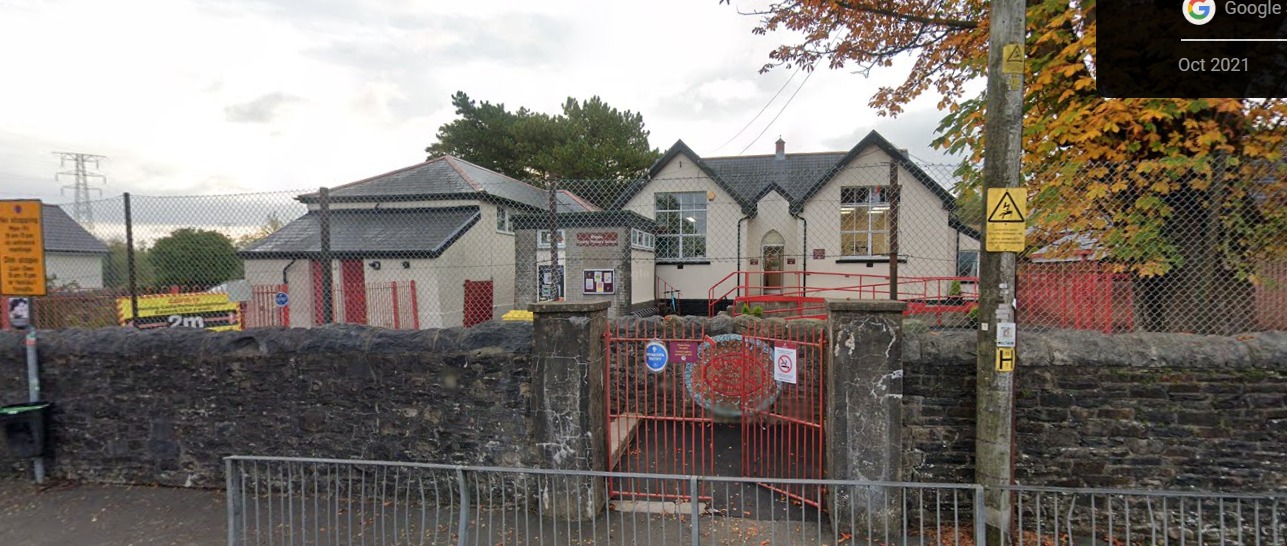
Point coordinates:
[[715, 407], [782, 435]]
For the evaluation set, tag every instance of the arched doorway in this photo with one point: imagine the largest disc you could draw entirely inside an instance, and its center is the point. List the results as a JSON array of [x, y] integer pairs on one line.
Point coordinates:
[[772, 249]]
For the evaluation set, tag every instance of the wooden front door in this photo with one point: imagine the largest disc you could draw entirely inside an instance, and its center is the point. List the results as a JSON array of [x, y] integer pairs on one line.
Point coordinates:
[[772, 267]]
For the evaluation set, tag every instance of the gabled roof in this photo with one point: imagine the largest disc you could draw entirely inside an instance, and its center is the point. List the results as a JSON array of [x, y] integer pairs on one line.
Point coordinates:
[[676, 150], [447, 178], [797, 177], [875, 139], [370, 233], [62, 234], [794, 177]]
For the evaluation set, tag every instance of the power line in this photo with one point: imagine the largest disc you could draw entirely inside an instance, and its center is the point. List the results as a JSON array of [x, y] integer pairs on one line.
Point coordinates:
[[761, 112], [81, 209], [775, 118]]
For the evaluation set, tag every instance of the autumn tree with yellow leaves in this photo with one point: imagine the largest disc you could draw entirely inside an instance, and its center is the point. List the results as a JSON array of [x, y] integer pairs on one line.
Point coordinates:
[[1187, 195]]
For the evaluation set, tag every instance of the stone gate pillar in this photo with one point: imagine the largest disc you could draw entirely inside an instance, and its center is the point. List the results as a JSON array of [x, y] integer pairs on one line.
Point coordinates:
[[864, 407], [568, 397]]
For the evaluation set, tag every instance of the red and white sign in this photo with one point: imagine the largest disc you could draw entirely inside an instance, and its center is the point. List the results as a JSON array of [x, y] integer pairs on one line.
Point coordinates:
[[606, 238], [785, 366]]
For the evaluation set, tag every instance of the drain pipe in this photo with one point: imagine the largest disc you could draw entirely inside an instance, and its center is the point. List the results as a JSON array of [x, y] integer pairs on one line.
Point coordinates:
[[738, 266], [284, 269], [804, 253]]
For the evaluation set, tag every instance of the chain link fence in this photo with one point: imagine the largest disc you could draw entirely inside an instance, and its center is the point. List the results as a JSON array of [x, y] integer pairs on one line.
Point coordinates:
[[1178, 246]]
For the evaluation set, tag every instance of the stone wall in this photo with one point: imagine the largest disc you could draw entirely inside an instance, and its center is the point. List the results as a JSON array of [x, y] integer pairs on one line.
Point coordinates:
[[1140, 410], [1094, 410], [164, 406]]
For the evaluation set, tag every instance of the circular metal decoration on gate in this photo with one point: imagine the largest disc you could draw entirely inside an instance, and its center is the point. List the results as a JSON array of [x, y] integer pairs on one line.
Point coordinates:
[[732, 374]]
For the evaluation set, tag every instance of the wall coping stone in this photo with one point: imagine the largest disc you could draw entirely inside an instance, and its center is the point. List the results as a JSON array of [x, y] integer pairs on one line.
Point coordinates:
[[569, 307], [1058, 348], [867, 306]]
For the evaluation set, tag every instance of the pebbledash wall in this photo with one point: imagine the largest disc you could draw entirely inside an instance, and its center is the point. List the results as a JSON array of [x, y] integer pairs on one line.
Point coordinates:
[[1139, 410]]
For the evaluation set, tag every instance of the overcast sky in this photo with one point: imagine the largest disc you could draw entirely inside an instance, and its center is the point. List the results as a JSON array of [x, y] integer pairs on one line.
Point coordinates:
[[220, 96]]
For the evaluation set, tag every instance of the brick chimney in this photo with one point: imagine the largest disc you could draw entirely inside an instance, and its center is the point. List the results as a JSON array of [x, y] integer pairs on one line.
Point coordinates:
[[781, 150]]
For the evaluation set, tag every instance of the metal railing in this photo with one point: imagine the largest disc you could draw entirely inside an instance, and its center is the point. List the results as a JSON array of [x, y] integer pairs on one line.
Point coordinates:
[[1046, 515], [279, 500], [273, 500]]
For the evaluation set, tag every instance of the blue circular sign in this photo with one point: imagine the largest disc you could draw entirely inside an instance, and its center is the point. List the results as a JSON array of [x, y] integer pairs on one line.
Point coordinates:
[[281, 299], [656, 356]]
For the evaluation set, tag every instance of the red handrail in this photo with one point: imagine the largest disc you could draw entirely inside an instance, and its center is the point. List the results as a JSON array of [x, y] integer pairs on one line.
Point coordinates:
[[933, 294]]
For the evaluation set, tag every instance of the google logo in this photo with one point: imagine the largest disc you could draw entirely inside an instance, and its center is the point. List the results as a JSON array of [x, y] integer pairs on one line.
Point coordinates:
[[1199, 12]]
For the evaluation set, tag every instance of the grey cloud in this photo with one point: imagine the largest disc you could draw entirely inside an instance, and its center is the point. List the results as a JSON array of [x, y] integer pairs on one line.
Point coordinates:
[[510, 40], [913, 131], [691, 103], [529, 40], [261, 110]]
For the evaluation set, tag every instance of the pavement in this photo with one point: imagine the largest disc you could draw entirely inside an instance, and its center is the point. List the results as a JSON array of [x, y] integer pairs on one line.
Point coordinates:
[[75, 514]]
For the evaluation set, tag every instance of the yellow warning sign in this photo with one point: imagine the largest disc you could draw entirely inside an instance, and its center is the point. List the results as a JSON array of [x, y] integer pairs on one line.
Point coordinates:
[[1007, 217], [22, 249], [1005, 359], [201, 310], [1012, 59]]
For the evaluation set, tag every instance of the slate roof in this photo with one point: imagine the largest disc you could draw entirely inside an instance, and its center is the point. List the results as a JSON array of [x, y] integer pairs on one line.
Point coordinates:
[[62, 234], [370, 233], [752, 177], [448, 178], [797, 177]]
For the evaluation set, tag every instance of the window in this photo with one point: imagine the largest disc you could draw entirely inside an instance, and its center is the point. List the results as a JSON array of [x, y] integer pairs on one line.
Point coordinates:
[[543, 238], [864, 221], [967, 263], [504, 222], [641, 239], [681, 225]]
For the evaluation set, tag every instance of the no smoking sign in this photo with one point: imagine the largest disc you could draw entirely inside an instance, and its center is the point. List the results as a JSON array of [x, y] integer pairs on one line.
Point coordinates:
[[785, 366]]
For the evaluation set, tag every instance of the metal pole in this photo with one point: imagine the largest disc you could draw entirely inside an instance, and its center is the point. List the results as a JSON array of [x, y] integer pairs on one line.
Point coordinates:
[[324, 227], [1002, 161], [895, 193], [236, 512], [554, 241], [33, 387], [132, 272]]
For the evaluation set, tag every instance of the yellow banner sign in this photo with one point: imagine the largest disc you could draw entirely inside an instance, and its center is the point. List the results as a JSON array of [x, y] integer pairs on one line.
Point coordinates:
[[208, 311], [22, 249], [1007, 219]]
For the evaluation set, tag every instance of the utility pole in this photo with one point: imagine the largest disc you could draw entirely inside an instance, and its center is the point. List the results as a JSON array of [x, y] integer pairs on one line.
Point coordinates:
[[81, 210], [1002, 161]]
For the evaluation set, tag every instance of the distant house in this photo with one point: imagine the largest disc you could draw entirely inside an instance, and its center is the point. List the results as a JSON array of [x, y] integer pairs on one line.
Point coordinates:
[[807, 223], [429, 245], [73, 257]]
